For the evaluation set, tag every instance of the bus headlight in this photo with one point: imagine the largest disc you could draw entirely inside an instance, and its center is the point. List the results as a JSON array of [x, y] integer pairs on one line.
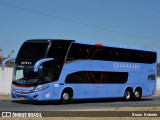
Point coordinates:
[[42, 88]]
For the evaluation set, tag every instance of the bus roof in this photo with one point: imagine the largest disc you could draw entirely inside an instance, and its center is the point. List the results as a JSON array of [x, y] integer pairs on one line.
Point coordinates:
[[116, 46], [96, 43]]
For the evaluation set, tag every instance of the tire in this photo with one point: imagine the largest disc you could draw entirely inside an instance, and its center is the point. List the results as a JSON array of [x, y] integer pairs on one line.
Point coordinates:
[[128, 95], [66, 97], [137, 94]]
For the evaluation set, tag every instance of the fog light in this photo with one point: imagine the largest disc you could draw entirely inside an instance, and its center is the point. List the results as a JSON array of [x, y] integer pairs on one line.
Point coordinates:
[[47, 95]]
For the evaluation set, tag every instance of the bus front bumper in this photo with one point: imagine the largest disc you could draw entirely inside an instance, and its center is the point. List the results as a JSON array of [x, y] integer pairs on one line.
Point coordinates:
[[30, 96], [42, 95]]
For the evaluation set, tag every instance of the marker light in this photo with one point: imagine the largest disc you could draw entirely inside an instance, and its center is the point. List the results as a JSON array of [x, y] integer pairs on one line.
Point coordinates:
[[99, 44]]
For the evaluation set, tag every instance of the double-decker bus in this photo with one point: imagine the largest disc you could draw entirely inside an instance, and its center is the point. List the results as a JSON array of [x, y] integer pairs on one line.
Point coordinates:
[[65, 70]]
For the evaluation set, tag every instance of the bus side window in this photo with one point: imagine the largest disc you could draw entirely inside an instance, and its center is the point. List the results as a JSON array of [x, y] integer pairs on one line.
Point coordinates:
[[77, 77], [78, 51], [151, 77]]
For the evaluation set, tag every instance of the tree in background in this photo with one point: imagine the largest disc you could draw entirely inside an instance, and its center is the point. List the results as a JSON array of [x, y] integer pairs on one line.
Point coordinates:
[[10, 63]]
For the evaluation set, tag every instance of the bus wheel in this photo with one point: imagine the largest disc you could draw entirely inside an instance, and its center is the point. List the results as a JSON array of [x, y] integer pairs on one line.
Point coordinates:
[[128, 95], [137, 94], [66, 97]]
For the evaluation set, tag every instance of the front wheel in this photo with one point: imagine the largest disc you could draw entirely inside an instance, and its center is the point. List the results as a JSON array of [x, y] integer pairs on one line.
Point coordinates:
[[66, 97]]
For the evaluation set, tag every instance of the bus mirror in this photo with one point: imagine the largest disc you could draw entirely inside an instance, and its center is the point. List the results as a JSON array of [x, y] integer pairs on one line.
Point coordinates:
[[5, 61], [39, 62]]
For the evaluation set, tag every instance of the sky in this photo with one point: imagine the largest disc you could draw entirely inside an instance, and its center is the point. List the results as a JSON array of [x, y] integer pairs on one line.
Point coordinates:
[[133, 23]]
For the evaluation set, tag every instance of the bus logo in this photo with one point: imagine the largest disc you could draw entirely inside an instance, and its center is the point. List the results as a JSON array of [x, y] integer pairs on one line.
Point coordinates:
[[26, 63], [126, 66]]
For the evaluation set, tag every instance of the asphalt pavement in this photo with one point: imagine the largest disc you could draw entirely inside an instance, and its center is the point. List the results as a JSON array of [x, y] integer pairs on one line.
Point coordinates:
[[98, 104]]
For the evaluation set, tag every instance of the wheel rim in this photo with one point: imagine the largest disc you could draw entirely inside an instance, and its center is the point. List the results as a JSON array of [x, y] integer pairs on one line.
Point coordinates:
[[65, 96], [127, 95], [137, 94]]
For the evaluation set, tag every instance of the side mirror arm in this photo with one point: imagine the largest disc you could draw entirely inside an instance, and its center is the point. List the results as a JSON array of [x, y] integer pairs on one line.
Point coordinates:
[[39, 62], [6, 60]]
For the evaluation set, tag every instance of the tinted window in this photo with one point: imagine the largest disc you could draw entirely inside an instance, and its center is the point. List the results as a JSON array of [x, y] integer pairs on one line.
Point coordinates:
[[33, 50], [59, 48], [82, 51], [97, 77], [78, 51], [58, 51], [151, 77], [124, 55]]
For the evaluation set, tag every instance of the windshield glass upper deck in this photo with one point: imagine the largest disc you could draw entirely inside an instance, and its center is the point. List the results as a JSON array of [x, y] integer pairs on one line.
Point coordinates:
[[33, 50]]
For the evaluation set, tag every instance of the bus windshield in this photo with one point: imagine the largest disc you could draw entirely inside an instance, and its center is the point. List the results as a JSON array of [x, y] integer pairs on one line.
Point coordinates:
[[33, 50], [25, 76]]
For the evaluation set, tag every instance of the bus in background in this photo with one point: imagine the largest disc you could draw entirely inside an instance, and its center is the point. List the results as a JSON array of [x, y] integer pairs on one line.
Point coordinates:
[[65, 70]]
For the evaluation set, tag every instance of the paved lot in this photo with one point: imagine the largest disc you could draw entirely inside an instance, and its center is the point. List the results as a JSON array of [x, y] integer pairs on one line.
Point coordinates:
[[16, 105]]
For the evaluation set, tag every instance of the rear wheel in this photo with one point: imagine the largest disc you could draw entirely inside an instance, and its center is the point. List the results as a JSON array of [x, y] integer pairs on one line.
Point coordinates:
[[137, 94], [66, 97], [128, 95]]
